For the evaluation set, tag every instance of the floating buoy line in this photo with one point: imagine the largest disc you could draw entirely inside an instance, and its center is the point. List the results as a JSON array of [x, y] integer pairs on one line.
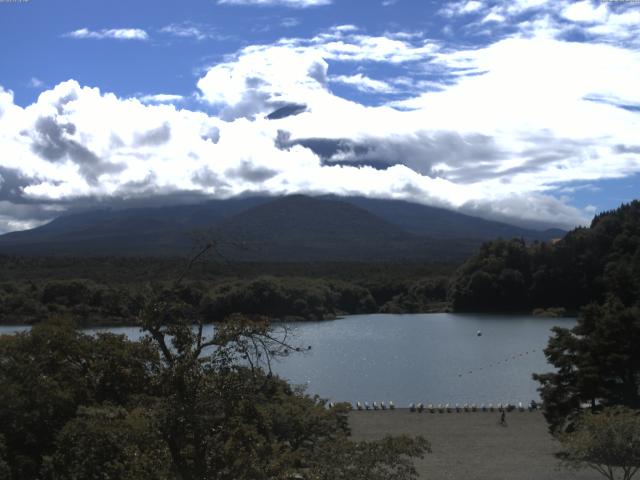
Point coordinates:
[[506, 360], [449, 408]]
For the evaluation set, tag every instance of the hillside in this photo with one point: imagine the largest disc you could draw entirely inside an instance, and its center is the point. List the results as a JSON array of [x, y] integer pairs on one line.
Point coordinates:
[[586, 266], [293, 228], [297, 228], [442, 223]]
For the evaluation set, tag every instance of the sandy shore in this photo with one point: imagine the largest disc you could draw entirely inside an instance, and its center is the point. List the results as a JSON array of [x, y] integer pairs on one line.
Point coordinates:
[[474, 446]]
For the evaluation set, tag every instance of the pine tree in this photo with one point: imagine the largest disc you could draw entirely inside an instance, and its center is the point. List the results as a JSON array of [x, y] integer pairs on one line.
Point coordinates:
[[597, 362]]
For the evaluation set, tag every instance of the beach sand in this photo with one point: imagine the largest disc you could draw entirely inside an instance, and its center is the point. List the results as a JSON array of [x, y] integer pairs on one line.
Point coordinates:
[[474, 446]]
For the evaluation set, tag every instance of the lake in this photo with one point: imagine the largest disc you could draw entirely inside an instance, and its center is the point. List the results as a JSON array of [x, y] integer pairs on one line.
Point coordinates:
[[430, 358]]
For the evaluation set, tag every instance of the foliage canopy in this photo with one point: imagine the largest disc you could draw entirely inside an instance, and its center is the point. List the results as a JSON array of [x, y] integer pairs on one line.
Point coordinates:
[[608, 442], [597, 364], [587, 265], [175, 405]]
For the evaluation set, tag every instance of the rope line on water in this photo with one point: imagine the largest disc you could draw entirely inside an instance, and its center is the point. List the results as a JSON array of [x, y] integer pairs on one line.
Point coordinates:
[[508, 359]]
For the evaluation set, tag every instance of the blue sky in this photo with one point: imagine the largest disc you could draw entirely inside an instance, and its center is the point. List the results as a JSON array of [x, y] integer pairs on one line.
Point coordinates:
[[204, 32], [524, 111]]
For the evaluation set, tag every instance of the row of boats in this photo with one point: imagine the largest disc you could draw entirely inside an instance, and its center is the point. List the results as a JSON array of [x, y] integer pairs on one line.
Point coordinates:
[[375, 406], [447, 408]]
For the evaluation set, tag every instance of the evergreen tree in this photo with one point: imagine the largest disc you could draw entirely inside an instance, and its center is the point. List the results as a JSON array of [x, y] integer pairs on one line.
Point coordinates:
[[597, 362], [585, 266]]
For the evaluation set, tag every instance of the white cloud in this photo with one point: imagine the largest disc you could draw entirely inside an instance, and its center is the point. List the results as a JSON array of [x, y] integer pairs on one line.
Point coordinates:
[[540, 128], [472, 6], [35, 83], [517, 7], [364, 83], [585, 11], [345, 44], [457, 8], [518, 119], [284, 3], [618, 28], [114, 33], [161, 98], [260, 79], [591, 209], [346, 28], [615, 23], [187, 30], [493, 16], [23, 216], [289, 22]]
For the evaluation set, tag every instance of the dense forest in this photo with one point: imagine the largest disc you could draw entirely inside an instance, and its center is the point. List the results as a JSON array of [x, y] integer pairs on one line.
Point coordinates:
[[587, 265], [110, 290]]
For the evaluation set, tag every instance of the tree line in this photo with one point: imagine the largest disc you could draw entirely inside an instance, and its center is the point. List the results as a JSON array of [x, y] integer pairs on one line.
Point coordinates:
[[587, 265], [90, 302]]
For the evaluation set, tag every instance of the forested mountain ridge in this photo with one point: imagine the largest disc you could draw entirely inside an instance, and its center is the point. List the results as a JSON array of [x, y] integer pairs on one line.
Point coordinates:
[[292, 228], [585, 266]]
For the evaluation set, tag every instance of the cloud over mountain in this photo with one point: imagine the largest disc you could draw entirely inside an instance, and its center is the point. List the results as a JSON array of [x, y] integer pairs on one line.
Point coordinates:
[[496, 129]]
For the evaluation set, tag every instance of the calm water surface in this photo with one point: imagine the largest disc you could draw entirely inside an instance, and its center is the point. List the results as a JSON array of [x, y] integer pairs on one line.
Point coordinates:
[[431, 358]]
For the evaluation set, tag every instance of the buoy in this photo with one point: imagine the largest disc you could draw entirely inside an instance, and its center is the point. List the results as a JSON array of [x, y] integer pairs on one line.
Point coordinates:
[[479, 333]]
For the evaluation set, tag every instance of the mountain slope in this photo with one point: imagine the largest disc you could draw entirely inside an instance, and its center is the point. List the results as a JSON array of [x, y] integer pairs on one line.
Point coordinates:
[[441, 223], [301, 228], [296, 227], [135, 231]]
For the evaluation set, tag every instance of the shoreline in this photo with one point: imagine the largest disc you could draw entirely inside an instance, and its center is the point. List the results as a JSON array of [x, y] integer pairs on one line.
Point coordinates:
[[302, 320]]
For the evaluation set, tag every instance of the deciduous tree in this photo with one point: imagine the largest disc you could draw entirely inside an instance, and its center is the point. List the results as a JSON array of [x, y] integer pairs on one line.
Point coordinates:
[[608, 442]]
